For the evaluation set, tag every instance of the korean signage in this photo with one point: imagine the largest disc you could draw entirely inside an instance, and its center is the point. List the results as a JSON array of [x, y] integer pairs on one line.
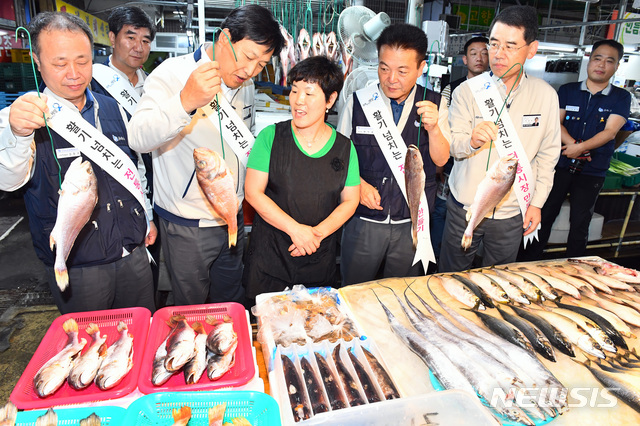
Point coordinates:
[[630, 33], [99, 28]]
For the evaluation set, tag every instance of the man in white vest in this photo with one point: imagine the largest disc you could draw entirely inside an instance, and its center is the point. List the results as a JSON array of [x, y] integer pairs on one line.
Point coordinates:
[[477, 143], [108, 265], [177, 114], [382, 121]]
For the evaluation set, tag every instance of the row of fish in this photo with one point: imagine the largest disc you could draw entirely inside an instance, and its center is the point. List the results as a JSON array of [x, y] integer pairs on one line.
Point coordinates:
[[317, 384], [319, 44], [102, 364], [479, 362], [215, 416], [9, 413], [191, 349]]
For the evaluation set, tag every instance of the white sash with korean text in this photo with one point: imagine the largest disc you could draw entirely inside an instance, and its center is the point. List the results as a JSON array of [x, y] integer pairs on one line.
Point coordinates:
[[118, 87], [489, 100], [394, 150], [69, 124], [234, 132]]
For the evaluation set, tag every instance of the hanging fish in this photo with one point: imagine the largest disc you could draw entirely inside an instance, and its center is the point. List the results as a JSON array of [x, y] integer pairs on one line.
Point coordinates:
[[347, 57], [317, 46], [414, 182], [331, 46], [304, 44]]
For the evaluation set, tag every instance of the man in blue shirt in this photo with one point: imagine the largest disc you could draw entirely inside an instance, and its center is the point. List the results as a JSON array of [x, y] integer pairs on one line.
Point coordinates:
[[591, 113]]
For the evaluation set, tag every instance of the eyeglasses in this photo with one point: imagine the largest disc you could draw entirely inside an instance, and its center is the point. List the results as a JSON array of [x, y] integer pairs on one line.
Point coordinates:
[[494, 47]]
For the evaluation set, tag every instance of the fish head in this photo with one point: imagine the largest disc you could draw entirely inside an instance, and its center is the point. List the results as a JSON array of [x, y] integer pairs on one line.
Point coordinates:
[[80, 176], [413, 159], [207, 161], [508, 165]]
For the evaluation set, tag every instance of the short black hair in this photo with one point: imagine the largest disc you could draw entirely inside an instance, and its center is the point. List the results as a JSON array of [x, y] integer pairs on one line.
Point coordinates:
[[321, 70], [406, 37], [524, 17], [476, 39], [255, 23], [610, 43], [47, 21], [130, 15]]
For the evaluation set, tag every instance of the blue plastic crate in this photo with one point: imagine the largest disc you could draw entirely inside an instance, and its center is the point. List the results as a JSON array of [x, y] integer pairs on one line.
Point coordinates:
[[156, 408], [109, 416]]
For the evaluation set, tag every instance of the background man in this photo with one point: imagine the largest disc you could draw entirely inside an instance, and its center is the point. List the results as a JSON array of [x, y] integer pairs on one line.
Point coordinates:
[[476, 58], [108, 265], [591, 114], [512, 41], [169, 124], [380, 231]]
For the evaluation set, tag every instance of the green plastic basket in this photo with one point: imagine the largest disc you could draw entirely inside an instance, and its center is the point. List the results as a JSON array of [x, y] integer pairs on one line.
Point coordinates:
[[109, 416], [156, 408]]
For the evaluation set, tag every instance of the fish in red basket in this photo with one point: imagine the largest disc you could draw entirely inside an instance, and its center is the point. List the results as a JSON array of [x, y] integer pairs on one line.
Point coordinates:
[[181, 346], [181, 417], [119, 360], [217, 183], [218, 365], [222, 338], [54, 372], [86, 367], [195, 367], [92, 420], [159, 374], [216, 414]]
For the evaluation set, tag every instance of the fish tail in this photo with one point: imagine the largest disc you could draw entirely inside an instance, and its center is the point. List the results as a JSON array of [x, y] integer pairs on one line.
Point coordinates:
[[52, 242], [92, 420], [216, 414], [241, 421], [92, 328], [198, 327], [8, 413], [49, 418], [184, 413], [122, 326], [466, 241], [233, 237], [70, 326], [211, 320], [62, 277]]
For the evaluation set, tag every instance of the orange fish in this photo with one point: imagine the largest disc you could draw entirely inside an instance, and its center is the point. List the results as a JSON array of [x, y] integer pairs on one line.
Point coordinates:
[[181, 417], [216, 181]]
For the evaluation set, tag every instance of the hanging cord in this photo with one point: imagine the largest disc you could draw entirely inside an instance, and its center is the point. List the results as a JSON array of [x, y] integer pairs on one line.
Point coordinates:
[[504, 103], [308, 12], [35, 78], [426, 82]]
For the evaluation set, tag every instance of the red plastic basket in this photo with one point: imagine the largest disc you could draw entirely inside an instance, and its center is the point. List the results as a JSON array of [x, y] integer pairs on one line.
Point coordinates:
[[241, 373], [137, 320]]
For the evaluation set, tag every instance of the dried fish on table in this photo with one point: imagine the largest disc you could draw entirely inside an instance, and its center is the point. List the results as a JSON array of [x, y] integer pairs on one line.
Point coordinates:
[[460, 292], [627, 314], [387, 386], [195, 367], [514, 292], [537, 339], [495, 291], [505, 330], [545, 288], [181, 344], [554, 335], [603, 267], [602, 322], [53, 373], [554, 281], [621, 326], [367, 384], [591, 327], [618, 384], [294, 390], [87, 365], [119, 360], [532, 292], [477, 290], [349, 384], [330, 381], [314, 389]]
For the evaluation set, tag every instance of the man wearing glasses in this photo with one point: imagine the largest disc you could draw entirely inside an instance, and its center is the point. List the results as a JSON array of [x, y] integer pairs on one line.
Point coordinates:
[[178, 113], [477, 143]]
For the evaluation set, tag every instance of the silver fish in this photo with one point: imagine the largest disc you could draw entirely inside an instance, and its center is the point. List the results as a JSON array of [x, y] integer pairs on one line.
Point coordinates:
[[414, 182], [617, 384], [491, 190], [494, 291], [54, 372], [222, 338], [603, 267], [195, 367], [181, 345], [590, 327], [78, 198], [460, 292], [86, 367], [514, 292], [218, 365], [119, 360]]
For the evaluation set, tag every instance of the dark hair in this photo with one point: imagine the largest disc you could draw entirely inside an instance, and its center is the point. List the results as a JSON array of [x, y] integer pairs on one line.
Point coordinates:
[[321, 70], [47, 21], [406, 37], [476, 39], [130, 15], [524, 17], [255, 23], [610, 43]]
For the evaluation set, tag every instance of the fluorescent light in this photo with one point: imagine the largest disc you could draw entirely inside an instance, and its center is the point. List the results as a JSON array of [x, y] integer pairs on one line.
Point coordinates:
[[556, 47]]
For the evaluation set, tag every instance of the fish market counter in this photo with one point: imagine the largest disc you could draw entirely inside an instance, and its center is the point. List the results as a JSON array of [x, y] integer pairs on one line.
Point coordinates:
[[588, 402]]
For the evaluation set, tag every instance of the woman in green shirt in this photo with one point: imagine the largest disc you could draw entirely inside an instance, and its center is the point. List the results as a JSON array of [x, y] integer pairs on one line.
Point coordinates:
[[303, 181]]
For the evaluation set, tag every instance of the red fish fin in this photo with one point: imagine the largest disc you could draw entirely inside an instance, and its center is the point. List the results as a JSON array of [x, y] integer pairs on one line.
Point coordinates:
[[198, 328], [70, 326], [233, 237], [216, 414], [92, 328], [62, 278], [184, 413], [211, 320], [122, 326]]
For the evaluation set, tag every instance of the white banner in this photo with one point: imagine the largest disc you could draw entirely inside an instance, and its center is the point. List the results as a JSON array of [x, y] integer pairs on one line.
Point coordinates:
[[118, 87], [489, 100], [69, 124], [394, 149]]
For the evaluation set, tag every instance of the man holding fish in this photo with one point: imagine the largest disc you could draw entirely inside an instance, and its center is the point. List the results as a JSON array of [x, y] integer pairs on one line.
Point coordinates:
[[499, 211], [186, 100], [381, 230], [102, 264]]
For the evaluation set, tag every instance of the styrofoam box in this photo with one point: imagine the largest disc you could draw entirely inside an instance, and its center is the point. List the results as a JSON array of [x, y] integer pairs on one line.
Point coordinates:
[[451, 408], [560, 227]]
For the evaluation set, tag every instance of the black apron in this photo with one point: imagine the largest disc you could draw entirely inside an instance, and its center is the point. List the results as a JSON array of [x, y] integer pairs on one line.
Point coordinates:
[[307, 189]]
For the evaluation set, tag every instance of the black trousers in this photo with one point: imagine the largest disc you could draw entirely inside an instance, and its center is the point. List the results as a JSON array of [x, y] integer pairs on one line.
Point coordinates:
[[584, 191]]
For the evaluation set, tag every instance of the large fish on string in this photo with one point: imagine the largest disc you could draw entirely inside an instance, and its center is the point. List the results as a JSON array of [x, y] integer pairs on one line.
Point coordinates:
[[491, 190], [78, 197], [414, 182], [216, 181]]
